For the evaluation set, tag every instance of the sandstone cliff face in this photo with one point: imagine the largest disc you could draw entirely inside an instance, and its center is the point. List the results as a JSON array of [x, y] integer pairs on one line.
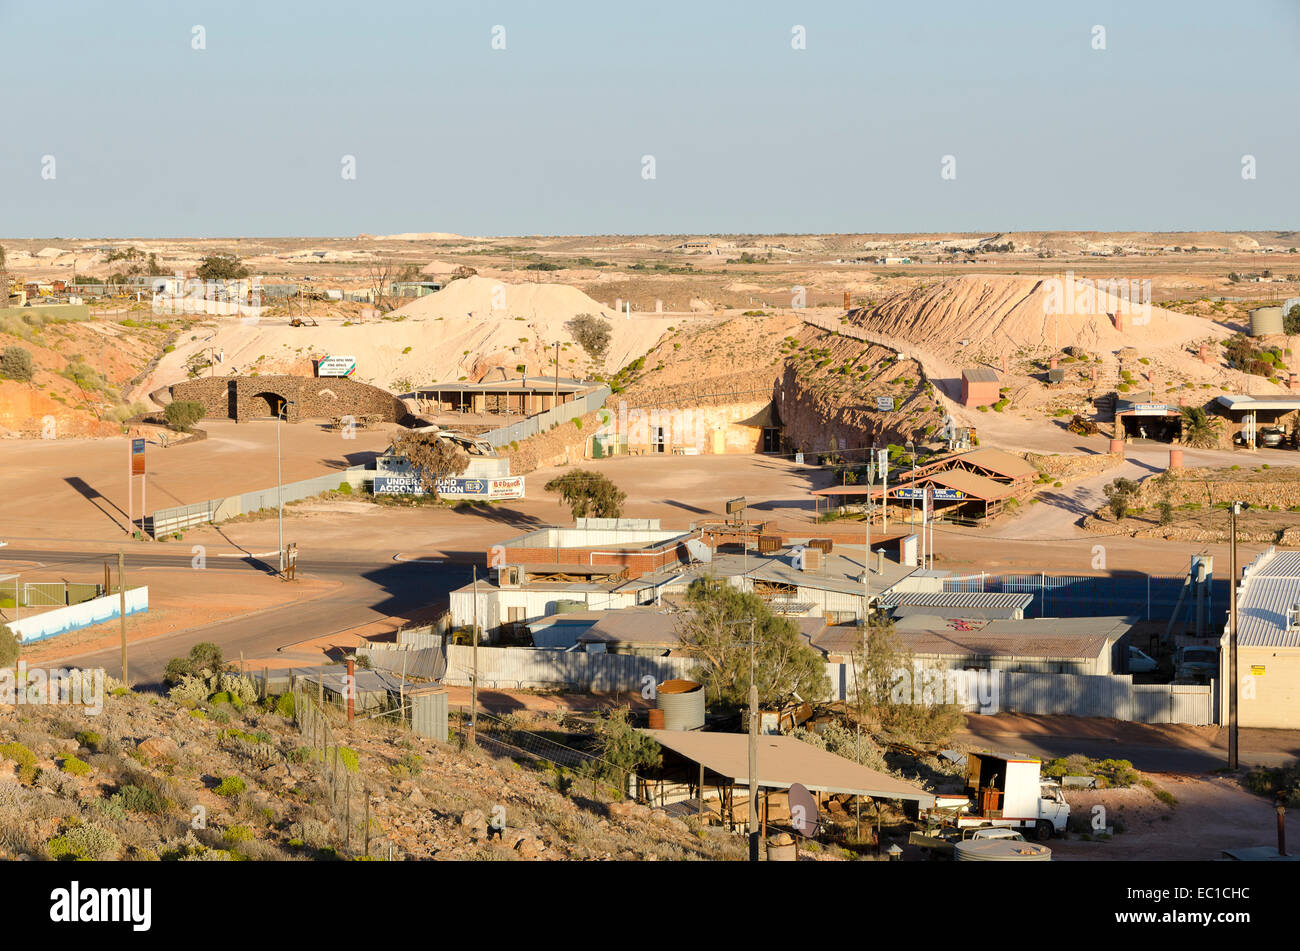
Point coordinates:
[[827, 392]]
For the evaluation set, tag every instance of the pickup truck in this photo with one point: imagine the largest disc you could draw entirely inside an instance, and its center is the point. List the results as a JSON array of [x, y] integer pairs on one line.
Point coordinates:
[[1196, 664], [1002, 792]]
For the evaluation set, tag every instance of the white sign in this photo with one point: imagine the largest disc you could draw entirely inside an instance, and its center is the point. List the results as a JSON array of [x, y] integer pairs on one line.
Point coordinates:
[[885, 404], [336, 366]]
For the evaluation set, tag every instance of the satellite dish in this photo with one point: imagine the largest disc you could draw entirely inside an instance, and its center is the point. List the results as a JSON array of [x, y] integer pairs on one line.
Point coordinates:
[[804, 816]]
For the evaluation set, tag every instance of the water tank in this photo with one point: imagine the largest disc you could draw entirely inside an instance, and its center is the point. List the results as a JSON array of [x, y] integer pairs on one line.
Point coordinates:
[[1265, 320], [682, 702], [1000, 850]]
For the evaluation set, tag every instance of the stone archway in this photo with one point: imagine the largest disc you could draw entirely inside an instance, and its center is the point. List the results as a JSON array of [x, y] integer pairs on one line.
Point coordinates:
[[266, 404]]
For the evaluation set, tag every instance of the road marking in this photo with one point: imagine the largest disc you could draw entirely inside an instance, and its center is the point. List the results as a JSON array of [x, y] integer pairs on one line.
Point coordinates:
[[251, 554], [419, 558]]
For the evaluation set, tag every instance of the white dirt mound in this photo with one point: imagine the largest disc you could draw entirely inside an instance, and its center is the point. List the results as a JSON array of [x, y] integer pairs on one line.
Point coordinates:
[[455, 334], [484, 297], [1007, 315]]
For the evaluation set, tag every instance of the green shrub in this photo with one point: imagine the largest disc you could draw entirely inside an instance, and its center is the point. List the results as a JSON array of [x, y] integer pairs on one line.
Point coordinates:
[[284, 705], [225, 696], [345, 488], [135, 798], [10, 645], [348, 757], [90, 740], [230, 786], [74, 766], [26, 760], [237, 834], [16, 364], [85, 843], [183, 414]]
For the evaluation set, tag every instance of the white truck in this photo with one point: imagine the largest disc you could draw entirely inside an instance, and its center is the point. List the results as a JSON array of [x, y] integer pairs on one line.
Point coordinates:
[[1002, 792]]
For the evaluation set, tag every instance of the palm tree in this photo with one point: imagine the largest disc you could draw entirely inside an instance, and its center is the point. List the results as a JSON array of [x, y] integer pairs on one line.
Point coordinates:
[[1200, 430]]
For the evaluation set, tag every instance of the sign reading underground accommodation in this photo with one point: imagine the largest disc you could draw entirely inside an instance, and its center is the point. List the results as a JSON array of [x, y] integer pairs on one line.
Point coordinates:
[[490, 489]]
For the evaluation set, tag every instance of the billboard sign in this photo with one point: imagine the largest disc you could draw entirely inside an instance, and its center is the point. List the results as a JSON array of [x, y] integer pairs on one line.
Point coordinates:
[[137, 457], [942, 495], [488, 489], [336, 366]]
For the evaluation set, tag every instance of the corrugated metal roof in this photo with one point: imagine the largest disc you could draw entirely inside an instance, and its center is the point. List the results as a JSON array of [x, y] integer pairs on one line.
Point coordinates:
[[976, 486], [1039, 637], [961, 599], [1269, 592], [980, 375], [784, 761], [996, 460]]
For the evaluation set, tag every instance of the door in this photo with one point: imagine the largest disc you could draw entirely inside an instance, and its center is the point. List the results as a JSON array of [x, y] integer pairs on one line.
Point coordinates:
[[658, 438]]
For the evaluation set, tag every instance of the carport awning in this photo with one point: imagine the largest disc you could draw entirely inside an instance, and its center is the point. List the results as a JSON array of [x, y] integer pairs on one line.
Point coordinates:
[[784, 761]]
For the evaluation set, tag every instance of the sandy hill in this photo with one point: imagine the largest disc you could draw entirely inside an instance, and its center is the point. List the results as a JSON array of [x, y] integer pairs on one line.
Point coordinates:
[[455, 334], [1007, 315]]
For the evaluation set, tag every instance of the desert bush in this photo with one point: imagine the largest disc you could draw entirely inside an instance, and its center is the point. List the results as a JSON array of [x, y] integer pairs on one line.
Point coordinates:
[[74, 766], [25, 760], [204, 659], [183, 414], [189, 690], [133, 798], [90, 740], [238, 685], [592, 333], [16, 364], [1265, 781], [10, 647], [230, 786], [84, 842]]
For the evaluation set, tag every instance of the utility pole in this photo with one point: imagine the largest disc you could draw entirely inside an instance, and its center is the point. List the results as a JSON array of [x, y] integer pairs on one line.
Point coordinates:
[[473, 684], [555, 398], [753, 751], [121, 602], [279, 482], [1233, 509]]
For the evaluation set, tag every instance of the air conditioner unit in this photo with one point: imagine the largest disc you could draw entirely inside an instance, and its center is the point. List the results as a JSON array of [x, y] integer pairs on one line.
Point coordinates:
[[1293, 618]]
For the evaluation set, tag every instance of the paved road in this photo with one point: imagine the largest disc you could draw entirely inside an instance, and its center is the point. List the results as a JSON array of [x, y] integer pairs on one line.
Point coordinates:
[[371, 587]]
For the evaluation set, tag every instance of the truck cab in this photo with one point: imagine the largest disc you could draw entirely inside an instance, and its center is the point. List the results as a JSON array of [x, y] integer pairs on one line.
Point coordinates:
[[1008, 792]]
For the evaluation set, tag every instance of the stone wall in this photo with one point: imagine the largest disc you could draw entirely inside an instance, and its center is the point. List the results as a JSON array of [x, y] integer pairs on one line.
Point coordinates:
[[252, 397]]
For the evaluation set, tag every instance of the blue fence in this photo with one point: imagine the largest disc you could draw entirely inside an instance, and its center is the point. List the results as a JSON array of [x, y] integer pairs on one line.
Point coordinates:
[[1145, 596]]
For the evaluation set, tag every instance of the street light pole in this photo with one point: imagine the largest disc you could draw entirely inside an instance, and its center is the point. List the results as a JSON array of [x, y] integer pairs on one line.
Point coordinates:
[[279, 483], [753, 751]]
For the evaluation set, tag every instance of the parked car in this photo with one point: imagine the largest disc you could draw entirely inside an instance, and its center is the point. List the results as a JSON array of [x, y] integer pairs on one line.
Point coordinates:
[[1140, 663], [1196, 664], [1269, 436]]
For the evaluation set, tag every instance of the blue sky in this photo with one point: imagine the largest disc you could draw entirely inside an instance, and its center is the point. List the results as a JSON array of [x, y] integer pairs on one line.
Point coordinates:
[[151, 137]]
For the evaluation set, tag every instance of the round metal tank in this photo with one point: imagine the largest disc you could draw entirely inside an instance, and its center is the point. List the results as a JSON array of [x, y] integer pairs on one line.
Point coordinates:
[[1000, 850], [1265, 320], [682, 702], [568, 606], [782, 848]]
